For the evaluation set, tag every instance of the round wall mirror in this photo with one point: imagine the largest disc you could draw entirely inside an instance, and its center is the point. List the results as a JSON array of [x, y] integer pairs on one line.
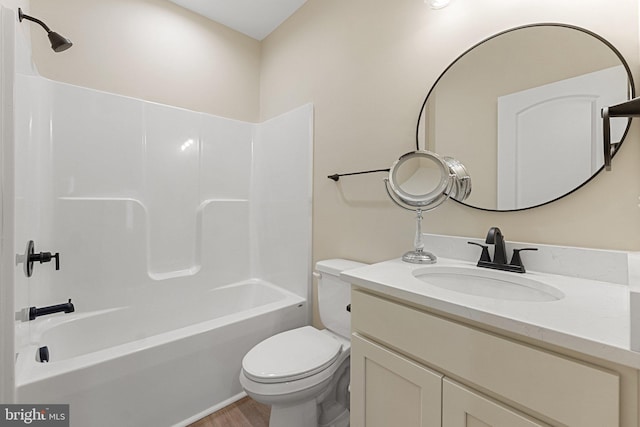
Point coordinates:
[[521, 110]]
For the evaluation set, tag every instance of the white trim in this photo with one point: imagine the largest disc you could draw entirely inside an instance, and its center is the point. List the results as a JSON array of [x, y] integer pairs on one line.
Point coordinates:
[[7, 221]]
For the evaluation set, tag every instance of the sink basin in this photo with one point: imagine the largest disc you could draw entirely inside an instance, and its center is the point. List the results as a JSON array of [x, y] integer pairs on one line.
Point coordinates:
[[488, 283]]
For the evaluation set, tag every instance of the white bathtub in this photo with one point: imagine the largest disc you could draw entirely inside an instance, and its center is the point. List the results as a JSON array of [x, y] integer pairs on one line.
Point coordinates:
[[158, 365]]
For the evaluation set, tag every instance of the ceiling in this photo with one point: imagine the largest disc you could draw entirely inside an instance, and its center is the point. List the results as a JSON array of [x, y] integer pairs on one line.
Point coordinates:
[[255, 18]]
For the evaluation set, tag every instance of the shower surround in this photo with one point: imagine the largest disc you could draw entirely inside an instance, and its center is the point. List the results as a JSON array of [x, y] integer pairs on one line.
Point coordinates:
[[184, 240]]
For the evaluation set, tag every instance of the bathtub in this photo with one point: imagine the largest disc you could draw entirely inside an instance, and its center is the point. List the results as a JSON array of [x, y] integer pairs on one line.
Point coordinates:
[[154, 365]]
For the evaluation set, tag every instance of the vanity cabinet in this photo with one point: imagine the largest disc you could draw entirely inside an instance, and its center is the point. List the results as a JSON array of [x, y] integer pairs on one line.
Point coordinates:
[[463, 407], [388, 389], [411, 367]]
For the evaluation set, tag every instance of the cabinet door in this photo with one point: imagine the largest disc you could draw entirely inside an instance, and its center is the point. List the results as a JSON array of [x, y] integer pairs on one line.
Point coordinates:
[[390, 390], [465, 408]]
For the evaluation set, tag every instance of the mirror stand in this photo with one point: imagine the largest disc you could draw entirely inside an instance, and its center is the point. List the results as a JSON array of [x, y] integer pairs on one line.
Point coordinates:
[[418, 255]]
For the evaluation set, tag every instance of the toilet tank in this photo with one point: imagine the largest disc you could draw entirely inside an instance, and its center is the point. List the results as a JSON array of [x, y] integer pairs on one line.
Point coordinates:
[[334, 295]]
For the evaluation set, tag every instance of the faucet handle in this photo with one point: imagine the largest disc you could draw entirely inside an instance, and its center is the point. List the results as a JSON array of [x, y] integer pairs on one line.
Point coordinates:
[[516, 260], [485, 251]]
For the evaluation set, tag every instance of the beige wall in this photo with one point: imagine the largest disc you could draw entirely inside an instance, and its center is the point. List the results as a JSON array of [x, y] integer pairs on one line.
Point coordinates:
[[367, 65], [153, 50]]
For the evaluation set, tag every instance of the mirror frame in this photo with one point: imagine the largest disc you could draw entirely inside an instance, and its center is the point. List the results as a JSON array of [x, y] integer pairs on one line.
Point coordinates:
[[632, 91], [454, 182], [438, 194]]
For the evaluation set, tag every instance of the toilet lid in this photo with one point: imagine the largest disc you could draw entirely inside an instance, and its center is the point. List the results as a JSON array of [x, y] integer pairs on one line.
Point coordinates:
[[291, 355]]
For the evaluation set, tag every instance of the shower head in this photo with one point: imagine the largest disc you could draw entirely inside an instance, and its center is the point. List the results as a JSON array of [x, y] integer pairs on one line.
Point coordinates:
[[58, 43]]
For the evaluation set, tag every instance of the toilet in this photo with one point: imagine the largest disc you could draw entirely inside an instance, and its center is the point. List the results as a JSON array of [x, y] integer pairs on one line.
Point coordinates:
[[304, 373]]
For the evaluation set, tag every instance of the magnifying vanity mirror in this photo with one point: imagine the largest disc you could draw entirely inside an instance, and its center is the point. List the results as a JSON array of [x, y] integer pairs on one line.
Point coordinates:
[[421, 181], [521, 110]]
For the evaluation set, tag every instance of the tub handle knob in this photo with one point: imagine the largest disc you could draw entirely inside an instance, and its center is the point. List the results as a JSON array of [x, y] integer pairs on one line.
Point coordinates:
[[41, 257], [46, 257]]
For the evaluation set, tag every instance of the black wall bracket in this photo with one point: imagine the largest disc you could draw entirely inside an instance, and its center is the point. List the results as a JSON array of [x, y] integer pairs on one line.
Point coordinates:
[[626, 109], [336, 176]]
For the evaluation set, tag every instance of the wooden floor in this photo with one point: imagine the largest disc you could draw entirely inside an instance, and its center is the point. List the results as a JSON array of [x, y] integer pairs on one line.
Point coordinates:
[[243, 413]]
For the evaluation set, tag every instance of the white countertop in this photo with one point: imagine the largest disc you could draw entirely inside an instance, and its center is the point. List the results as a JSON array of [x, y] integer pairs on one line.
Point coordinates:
[[592, 318]]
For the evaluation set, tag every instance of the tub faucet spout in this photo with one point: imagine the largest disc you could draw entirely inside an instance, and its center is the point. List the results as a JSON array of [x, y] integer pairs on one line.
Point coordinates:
[[67, 307]]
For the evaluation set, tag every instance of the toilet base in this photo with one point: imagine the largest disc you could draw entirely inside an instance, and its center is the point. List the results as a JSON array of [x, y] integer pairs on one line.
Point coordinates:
[[341, 420], [304, 415], [301, 415]]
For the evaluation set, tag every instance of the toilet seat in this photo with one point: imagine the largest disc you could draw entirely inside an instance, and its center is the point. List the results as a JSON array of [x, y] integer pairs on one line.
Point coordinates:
[[291, 355]]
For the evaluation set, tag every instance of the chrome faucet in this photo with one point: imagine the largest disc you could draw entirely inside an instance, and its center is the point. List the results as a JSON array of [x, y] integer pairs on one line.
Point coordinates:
[[495, 238]]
